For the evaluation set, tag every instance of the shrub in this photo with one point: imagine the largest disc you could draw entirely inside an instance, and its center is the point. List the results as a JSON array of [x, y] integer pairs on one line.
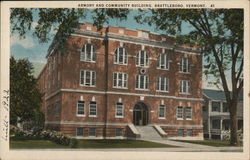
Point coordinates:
[[73, 143], [54, 136], [239, 133]]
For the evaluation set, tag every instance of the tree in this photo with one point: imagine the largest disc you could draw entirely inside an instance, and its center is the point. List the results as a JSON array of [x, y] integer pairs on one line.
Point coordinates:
[[24, 94], [218, 32]]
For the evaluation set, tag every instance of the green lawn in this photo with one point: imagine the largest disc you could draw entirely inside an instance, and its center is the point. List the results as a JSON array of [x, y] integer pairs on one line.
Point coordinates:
[[111, 143], [34, 144], [214, 143]]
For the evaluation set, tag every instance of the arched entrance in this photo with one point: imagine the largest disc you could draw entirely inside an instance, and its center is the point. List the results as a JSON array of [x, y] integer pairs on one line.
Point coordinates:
[[140, 114]]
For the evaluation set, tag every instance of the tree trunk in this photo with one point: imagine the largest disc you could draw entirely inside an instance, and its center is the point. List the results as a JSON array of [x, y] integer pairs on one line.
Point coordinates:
[[233, 123]]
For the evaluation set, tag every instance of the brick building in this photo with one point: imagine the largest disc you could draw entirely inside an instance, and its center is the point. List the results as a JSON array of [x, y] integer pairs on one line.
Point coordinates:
[[112, 81]]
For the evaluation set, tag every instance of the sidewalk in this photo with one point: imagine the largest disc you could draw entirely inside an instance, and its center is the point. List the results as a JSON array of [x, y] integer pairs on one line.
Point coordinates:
[[190, 147]]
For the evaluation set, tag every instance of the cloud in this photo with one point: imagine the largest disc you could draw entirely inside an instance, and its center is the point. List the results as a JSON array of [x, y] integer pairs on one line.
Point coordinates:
[[27, 42]]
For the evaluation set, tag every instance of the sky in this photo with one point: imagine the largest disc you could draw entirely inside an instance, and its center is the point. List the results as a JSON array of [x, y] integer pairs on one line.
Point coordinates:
[[30, 48]]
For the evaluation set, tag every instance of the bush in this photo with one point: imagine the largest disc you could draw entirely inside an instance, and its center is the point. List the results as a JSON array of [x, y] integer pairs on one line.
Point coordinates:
[[227, 136], [73, 143], [54, 136]]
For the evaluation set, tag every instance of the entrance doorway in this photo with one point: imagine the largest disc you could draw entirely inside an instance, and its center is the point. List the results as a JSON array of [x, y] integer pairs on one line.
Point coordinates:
[[140, 114]]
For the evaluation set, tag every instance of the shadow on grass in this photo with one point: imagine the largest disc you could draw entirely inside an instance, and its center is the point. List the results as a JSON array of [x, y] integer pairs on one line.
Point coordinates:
[[90, 143], [214, 143]]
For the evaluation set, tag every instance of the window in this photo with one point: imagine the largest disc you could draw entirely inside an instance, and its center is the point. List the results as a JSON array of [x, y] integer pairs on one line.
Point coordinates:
[[179, 112], [204, 108], [141, 82], [120, 80], [188, 113], [216, 124], [119, 109], [79, 131], [88, 53], [225, 107], [92, 108], [142, 59], [143, 34], [161, 111], [88, 78], [184, 86], [118, 131], [162, 84], [184, 65], [162, 61], [58, 58], [89, 28], [57, 108], [80, 108], [215, 106], [189, 132], [121, 31], [92, 131], [121, 56], [180, 132], [226, 124], [58, 79]]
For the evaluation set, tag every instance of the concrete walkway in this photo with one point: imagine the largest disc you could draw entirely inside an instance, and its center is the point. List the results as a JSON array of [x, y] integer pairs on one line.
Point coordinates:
[[190, 147]]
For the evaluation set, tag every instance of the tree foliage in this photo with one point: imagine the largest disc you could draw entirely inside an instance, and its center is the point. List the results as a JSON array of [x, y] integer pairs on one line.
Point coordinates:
[[25, 97]]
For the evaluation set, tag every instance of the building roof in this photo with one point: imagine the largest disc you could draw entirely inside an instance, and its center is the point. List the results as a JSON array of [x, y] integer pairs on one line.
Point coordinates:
[[218, 94]]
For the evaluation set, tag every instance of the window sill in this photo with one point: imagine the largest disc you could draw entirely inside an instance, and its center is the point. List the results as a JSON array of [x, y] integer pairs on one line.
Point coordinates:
[[120, 87], [94, 116], [188, 119], [179, 119], [86, 86], [88, 61], [162, 91], [80, 115], [165, 69], [122, 64], [142, 66], [162, 118], [185, 72], [137, 89], [119, 116], [183, 93]]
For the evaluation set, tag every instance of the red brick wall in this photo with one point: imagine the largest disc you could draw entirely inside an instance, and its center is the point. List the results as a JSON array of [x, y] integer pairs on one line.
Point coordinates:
[[69, 66]]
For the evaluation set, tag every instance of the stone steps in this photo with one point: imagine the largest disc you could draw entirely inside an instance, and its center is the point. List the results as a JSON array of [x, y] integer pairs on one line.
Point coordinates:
[[148, 132]]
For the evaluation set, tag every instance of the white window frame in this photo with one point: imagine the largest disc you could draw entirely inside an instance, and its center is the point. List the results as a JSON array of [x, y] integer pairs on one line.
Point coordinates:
[[83, 54], [91, 78], [124, 80], [122, 110], [164, 111], [191, 132], [57, 108], [184, 90], [122, 131], [190, 118], [158, 84], [165, 60], [184, 65], [213, 107], [145, 60], [90, 115], [95, 132], [82, 132], [117, 56], [145, 83], [77, 108], [177, 113]]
